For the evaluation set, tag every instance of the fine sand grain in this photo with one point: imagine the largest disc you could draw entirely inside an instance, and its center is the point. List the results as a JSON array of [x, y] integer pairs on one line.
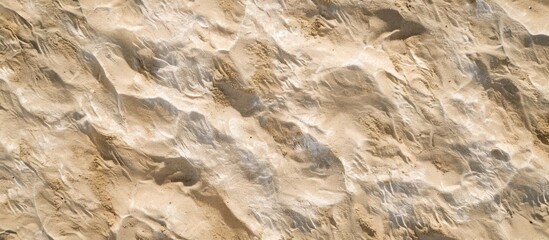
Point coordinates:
[[274, 119]]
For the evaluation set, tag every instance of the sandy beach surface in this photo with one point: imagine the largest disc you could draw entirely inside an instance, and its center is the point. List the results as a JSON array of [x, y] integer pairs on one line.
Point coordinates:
[[274, 119]]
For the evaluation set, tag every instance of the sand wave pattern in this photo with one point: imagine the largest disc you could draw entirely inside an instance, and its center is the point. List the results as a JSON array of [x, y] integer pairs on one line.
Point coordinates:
[[274, 119]]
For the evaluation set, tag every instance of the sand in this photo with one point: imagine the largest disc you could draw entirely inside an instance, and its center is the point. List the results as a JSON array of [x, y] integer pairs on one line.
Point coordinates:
[[281, 119]]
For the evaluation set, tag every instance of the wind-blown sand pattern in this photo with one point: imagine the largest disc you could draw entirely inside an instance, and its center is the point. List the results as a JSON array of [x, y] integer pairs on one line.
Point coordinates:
[[279, 119]]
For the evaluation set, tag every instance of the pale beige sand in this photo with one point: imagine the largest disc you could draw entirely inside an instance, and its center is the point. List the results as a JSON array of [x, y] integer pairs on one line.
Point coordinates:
[[280, 119]]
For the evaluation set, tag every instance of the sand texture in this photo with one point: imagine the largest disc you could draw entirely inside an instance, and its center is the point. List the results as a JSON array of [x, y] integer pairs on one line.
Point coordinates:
[[274, 119]]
